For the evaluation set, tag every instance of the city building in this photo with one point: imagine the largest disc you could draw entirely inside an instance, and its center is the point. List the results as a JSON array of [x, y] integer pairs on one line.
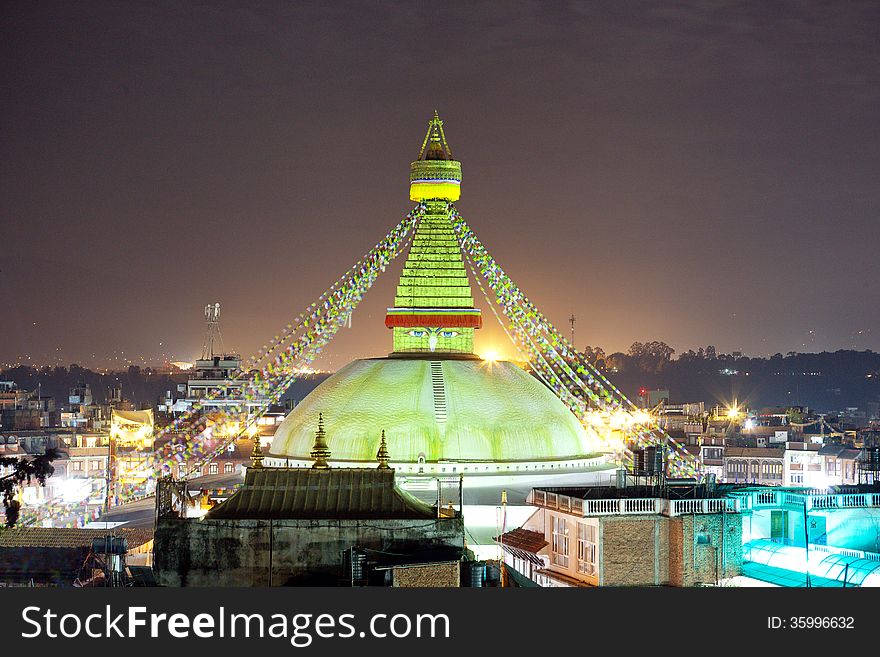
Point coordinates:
[[711, 455], [755, 465], [803, 465], [26, 410], [627, 536], [83, 413], [840, 464]]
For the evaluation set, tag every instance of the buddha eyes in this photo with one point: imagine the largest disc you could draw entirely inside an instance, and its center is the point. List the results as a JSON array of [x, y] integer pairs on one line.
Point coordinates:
[[421, 333]]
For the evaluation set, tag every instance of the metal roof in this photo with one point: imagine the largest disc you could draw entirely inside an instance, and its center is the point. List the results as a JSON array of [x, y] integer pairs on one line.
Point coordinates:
[[523, 539], [66, 537], [316, 493]]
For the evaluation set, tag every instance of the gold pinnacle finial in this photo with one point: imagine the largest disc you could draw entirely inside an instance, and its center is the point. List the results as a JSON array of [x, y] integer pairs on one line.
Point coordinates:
[[434, 147], [257, 454], [382, 455], [320, 451]]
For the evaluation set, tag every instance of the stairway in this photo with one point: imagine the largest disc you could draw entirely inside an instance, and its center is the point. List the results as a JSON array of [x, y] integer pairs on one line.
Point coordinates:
[[438, 387]]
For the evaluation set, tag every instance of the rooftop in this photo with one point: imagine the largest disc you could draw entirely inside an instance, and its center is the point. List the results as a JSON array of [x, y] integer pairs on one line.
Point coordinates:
[[523, 539], [760, 452], [66, 537], [671, 492], [321, 493]]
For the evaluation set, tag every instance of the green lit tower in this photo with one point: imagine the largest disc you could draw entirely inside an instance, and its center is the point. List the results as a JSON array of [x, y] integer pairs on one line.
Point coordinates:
[[434, 309]]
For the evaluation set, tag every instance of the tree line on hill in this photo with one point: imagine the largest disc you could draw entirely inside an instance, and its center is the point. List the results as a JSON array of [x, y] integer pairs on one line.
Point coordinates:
[[824, 381]]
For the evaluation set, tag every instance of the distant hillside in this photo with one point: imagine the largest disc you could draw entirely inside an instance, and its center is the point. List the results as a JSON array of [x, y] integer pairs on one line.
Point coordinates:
[[825, 381], [141, 386]]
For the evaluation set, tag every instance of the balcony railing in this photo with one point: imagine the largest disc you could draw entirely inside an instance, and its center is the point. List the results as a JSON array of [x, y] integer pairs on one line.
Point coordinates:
[[811, 498], [632, 506]]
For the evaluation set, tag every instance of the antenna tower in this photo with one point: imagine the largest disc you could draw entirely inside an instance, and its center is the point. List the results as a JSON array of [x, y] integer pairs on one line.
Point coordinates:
[[212, 333]]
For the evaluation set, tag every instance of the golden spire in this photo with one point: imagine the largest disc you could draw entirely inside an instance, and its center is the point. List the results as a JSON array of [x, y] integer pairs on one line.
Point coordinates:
[[320, 451], [435, 147], [257, 454], [382, 455]]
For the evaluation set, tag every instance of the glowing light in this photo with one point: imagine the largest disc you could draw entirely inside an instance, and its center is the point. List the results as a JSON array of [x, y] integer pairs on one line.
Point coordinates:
[[491, 356], [733, 412]]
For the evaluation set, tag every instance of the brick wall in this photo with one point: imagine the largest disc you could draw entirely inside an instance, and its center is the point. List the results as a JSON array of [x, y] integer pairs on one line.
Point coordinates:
[[432, 575], [635, 550], [656, 550], [694, 562]]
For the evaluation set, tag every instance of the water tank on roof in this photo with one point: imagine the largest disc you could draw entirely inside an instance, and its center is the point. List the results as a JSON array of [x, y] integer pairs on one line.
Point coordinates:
[[477, 573]]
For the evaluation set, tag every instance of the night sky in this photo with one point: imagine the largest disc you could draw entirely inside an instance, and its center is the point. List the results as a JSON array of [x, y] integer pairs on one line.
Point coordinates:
[[699, 175]]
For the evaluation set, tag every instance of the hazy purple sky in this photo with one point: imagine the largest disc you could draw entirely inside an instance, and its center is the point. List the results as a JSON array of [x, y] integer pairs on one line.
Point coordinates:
[[703, 174]]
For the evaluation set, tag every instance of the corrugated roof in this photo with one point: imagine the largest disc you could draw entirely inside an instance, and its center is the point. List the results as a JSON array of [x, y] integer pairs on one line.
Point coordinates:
[[524, 544], [68, 537], [523, 539], [760, 452], [337, 493]]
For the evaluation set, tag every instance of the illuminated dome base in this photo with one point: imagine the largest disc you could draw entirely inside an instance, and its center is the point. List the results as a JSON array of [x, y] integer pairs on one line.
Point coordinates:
[[442, 411]]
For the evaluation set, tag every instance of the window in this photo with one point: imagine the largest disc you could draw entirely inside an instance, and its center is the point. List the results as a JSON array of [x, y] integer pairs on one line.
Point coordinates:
[[77, 466], [586, 548], [213, 468], [228, 468], [96, 465], [560, 542]]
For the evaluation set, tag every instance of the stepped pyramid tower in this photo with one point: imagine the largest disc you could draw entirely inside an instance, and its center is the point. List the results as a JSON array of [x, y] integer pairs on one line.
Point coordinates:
[[434, 309], [443, 409]]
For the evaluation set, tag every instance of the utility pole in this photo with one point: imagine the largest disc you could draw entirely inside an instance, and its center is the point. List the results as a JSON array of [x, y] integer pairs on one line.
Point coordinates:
[[571, 321], [502, 569], [807, 544]]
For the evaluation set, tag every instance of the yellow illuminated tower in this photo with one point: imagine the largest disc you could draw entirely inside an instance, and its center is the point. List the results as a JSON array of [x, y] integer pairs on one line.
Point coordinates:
[[434, 308]]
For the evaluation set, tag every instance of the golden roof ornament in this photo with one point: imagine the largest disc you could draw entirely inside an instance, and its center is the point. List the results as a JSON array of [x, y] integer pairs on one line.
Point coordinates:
[[434, 146], [257, 454], [382, 455], [320, 451]]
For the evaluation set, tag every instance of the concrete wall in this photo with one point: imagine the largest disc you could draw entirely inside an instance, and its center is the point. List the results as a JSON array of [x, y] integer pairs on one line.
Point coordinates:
[[200, 552]]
